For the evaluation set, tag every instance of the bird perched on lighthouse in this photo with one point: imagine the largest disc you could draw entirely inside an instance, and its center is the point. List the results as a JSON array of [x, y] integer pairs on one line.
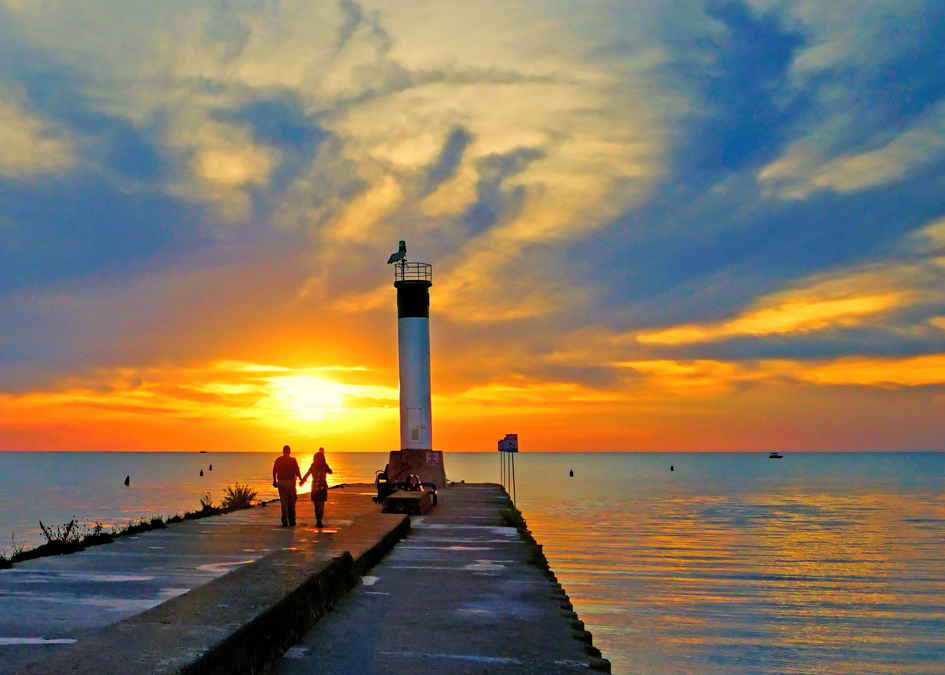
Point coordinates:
[[400, 255]]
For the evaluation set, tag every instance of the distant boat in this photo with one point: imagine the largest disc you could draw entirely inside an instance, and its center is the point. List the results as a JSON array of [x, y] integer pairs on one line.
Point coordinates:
[[775, 455], [203, 452]]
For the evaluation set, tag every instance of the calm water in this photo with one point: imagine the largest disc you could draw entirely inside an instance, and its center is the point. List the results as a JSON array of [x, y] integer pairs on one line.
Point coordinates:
[[732, 563]]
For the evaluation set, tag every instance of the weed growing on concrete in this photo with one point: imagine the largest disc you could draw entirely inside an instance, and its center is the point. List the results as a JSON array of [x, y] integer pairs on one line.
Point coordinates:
[[239, 497], [513, 518], [61, 534], [5, 562], [16, 548], [60, 539], [74, 536], [142, 524]]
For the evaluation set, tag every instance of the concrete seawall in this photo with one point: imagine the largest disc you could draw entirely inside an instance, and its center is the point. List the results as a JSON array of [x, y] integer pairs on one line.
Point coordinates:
[[240, 622]]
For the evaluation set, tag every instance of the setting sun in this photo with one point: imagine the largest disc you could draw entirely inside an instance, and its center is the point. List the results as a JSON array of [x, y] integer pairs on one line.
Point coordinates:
[[309, 398]]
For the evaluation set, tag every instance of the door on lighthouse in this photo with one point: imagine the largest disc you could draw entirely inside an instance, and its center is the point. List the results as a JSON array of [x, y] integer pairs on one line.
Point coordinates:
[[415, 427]]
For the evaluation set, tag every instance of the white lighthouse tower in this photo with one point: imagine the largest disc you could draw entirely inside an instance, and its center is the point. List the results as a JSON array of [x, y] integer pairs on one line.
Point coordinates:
[[416, 455]]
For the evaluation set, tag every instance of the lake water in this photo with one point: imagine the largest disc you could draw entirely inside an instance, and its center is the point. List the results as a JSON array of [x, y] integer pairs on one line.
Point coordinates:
[[730, 563]]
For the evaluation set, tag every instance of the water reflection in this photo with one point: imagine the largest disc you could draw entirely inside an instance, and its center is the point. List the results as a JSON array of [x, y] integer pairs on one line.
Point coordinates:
[[732, 563], [808, 571]]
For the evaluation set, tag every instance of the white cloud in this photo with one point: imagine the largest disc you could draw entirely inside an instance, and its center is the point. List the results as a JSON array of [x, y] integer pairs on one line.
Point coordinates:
[[30, 145], [930, 239], [805, 168], [851, 34], [224, 163]]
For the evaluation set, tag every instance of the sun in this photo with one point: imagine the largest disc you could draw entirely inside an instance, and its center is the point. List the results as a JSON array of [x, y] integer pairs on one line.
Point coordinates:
[[308, 398]]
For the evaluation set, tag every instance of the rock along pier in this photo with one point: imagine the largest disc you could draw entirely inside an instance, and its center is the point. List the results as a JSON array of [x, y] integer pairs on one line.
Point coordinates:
[[459, 590]]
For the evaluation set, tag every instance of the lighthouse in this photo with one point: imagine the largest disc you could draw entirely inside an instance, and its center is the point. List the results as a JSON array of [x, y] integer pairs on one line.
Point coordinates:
[[416, 455]]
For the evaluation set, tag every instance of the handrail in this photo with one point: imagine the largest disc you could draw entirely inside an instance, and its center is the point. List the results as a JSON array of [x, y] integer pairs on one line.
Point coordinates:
[[413, 271]]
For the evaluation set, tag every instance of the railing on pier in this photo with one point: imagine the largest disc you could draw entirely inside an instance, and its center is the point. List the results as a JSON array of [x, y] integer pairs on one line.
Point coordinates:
[[413, 271]]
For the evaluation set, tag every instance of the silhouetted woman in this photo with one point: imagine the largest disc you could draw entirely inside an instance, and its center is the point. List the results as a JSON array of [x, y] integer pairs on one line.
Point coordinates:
[[319, 472]]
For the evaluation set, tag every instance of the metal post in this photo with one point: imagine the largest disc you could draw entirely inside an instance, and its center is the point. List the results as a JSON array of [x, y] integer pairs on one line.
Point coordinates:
[[512, 457], [508, 448]]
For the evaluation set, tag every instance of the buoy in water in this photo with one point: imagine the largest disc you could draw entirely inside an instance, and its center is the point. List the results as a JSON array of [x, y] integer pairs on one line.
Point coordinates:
[[672, 468], [572, 473], [211, 467], [127, 480], [201, 472]]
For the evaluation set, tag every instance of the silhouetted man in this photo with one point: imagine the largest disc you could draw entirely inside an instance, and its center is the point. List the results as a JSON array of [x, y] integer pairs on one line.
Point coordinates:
[[284, 472]]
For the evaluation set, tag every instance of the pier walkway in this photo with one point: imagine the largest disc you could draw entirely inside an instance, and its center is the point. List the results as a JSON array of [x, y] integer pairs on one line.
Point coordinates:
[[47, 604], [240, 594], [456, 596]]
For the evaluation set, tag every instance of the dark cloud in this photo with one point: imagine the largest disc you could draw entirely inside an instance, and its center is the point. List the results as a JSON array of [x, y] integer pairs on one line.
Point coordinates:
[[592, 377], [279, 122], [832, 343], [109, 142], [496, 199], [744, 84], [449, 159], [353, 18], [75, 226]]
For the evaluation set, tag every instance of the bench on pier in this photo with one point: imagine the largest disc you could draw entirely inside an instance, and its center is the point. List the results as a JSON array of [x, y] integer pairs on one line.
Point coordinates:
[[409, 502]]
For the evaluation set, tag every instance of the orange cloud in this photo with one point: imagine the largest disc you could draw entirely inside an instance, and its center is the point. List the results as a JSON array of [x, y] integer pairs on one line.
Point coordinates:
[[918, 371], [710, 378], [789, 317]]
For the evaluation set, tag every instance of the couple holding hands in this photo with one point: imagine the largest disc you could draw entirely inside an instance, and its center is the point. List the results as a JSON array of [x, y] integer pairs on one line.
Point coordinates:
[[284, 472]]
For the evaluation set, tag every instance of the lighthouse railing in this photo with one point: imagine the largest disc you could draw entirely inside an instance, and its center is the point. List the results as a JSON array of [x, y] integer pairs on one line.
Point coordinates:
[[413, 271]]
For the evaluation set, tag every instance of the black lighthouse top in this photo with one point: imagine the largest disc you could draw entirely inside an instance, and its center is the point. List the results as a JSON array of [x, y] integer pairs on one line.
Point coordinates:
[[412, 281]]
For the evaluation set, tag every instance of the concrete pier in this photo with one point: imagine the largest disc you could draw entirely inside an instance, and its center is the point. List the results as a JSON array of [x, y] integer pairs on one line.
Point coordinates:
[[48, 604], [459, 594]]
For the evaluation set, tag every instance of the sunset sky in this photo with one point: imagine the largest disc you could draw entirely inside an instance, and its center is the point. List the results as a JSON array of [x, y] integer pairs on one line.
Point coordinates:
[[680, 225]]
